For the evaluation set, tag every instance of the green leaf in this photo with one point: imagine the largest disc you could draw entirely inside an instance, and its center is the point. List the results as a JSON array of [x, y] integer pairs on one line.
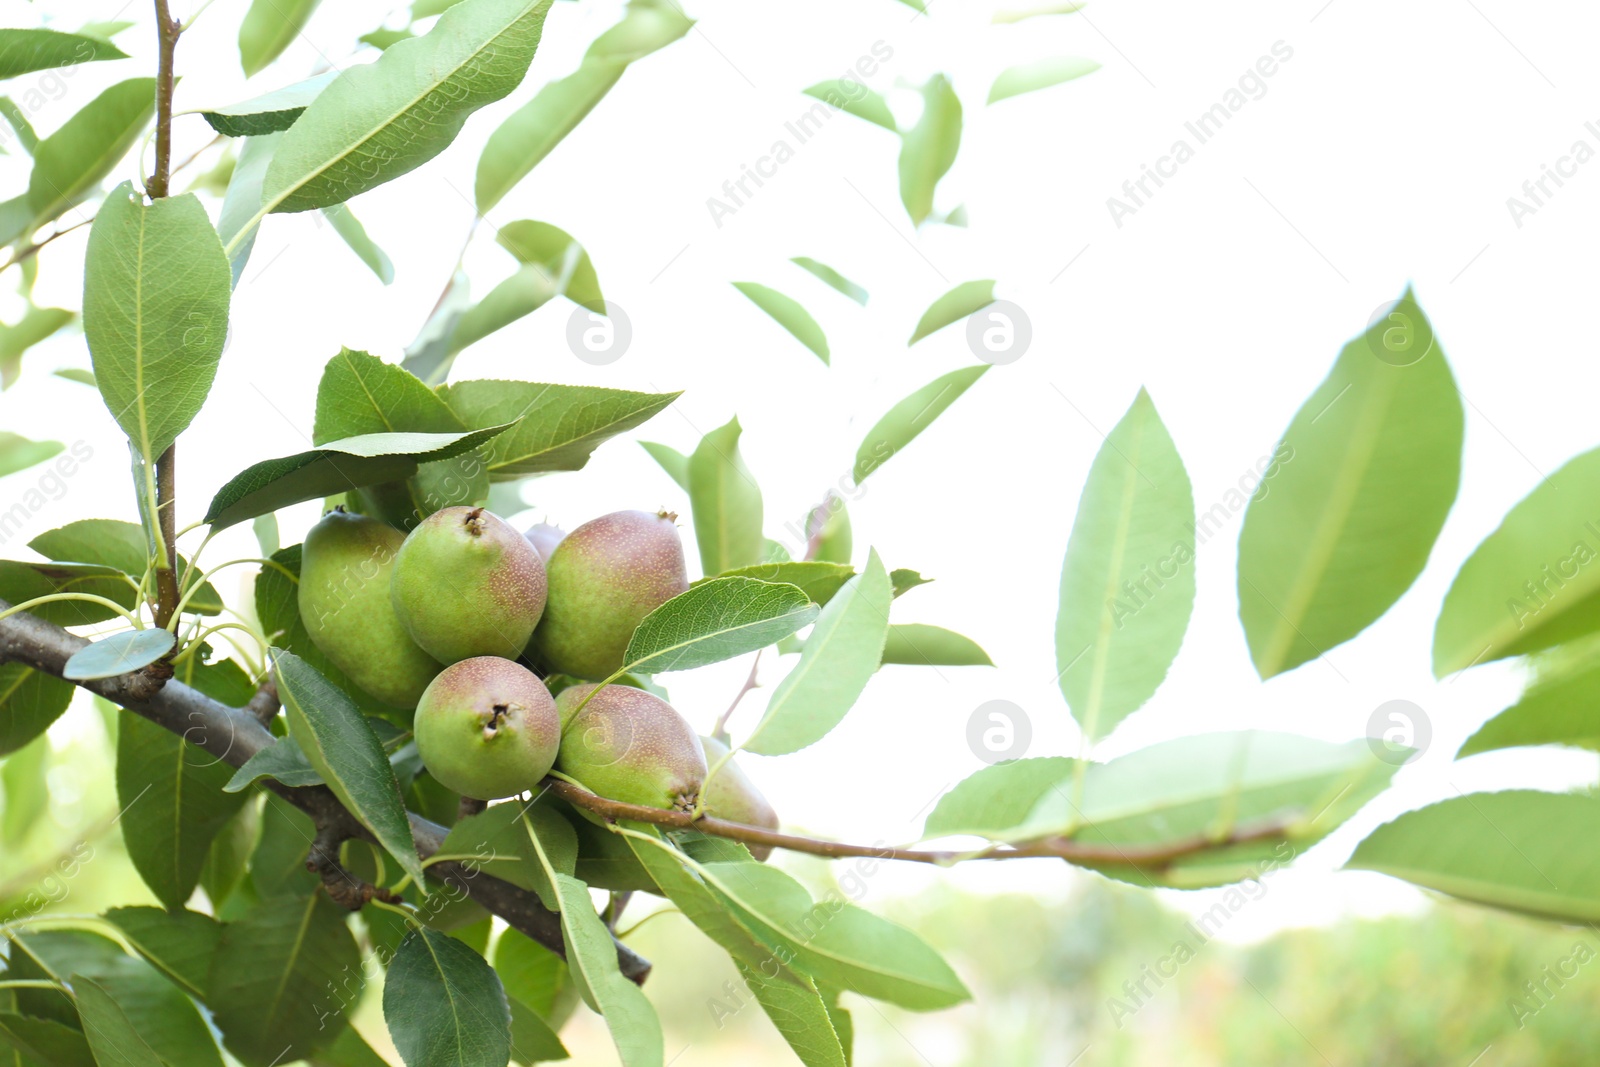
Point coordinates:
[[903, 422], [37, 324], [817, 579], [954, 306], [17, 119], [917, 644], [17, 453], [113, 543], [384, 119], [832, 278], [76, 374], [520, 295], [383, 38], [20, 582], [727, 503], [340, 744], [270, 112], [278, 860], [928, 149], [336, 467], [361, 394], [533, 976], [172, 804], [1560, 709], [49, 1043], [444, 1004], [531, 132], [905, 580], [70, 163], [1040, 74], [180, 944], [998, 802], [268, 28], [1511, 850], [349, 1049], [111, 1035], [789, 314], [283, 761], [30, 701], [853, 98], [156, 334], [243, 199], [716, 621], [539, 244], [118, 654], [555, 427], [1348, 527], [350, 230], [1050, 7], [283, 979], [675, 463], [1528, 586], [499, 842], [1127, 584], [841, 655], [23, 51], [532, 1039], [789, 998], [592, 957]]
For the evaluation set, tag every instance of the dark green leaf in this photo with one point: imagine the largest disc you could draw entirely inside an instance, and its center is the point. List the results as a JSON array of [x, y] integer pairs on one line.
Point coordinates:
[[48, 1042], [818, 580], [905, 580], [788, 313], [179, 944], [23, 51], [131, 1022], [118, 654], [283, 761], [70, 163], [30, 701], [721, 619], [444, 1005], [122, 545], [499, 842], [903, 422], [21, 582], [271, 112]]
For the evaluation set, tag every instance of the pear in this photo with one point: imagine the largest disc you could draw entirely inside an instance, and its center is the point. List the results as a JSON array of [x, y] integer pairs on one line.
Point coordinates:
[[605, 577], [731, 795], [629, 745], [487, 728], [544, 538], [345, 568], [466, 584]]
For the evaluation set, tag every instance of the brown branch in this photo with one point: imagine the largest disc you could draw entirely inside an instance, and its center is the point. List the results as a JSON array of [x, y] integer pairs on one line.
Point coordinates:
[[167, 595], [167, 33], [1064, 848], [265, 704], [233, 735], [720, 731]]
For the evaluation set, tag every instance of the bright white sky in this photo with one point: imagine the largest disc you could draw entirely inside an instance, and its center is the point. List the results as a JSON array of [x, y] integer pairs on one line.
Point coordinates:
[[1382, 153]]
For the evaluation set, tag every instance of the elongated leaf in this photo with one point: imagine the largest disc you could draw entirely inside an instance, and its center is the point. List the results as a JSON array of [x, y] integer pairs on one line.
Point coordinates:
[[1348, 526], [361, 394], [789, 998], [1528, 585], [554, 427], [998, 802], [23, 51], [121, 545], [833, 278], [718, 620], [519, 296], [349, 1049], [1127, 584], [270, 112], [283, 761], [118, 654], [539, 244], [21, 582], [592, 957], [155, 333], [1561, 709], [856, 99], [817, 579], [954, 306], [111, 1035], [269, 27], [17, 119], [131, 1022], [1040, 74], [70, 163], [903, 422], [920, 645], [499, 842], [336, 467], [529, 134], [350, 230], [788, 313], [928, 149], [1511, 850], [48, 1042], [37, 324], [379, 121], [283, 979], [180, 944], [675, 463], [340, 744], [726, 502], [841, 655], [172, 806], [444, 1004], [243, 198], [30, 701]]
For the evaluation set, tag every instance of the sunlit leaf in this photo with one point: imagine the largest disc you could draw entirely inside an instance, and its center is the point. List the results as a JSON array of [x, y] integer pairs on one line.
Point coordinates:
[[903, 422], [1040, 74], [954, 306], [929, 148], [270, 112], [70, 163], [118, 654], [726, 501], [832, 278], [917, 644], [853, 98], [23, 51], [715, 621], [268, 28], [788, 313]]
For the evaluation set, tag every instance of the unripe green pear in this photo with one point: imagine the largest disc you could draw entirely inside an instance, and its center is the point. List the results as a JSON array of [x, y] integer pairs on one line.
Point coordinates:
[[731, 795], [605, 577], [466, 584], [487, 728], [544, 538], [345, 569], [629, 745]]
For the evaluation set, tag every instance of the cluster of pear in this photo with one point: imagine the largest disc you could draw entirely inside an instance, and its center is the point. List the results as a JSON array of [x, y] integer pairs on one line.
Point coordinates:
[[444, 618]]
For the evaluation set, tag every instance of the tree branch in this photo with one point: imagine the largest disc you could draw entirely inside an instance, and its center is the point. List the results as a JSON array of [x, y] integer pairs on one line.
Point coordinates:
[[167, 31], [233, 735], [1155, 857]]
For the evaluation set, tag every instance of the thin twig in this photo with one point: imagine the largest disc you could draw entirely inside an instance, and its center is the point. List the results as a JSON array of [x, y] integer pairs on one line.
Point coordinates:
[[720, 731], [167, 33]]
